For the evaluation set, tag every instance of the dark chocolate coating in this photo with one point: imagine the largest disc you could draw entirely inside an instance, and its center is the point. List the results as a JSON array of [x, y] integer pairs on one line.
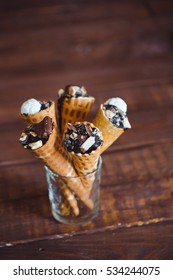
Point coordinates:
[[73, 144], [60, 103], [42, 131], [44, 128]]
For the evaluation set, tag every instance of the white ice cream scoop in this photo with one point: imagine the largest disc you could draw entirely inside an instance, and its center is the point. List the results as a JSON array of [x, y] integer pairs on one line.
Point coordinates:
[[118, 102], [31, 106]]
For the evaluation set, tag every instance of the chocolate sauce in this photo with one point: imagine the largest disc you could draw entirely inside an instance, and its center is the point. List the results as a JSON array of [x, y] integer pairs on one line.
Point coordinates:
[[74, 140], [43, 129]]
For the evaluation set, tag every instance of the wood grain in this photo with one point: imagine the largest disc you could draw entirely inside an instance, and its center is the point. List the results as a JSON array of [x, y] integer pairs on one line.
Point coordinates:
[[114, 48], [134, 243], [137, 186]]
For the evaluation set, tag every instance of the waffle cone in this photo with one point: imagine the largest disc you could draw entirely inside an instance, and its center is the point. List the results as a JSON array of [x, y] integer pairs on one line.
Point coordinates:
[[65, 207], [38, 117], [54, 156], [75, 109], [86, 164], [109, 131], [68, 200]]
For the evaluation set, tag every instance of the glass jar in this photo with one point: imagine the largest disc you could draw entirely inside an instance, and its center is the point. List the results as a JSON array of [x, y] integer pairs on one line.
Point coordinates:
[[66, 206]]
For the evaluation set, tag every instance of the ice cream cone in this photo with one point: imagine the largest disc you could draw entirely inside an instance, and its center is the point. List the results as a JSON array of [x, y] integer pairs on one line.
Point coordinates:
[[68, 200], [85, 164], [38, 117], [109, 131], [65, 207], [73, 105], [54, 156], [74, 109]]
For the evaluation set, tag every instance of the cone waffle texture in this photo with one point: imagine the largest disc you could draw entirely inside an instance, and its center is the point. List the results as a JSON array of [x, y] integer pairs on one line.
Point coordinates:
[[30, 119], [54, 156], [65, 207], [58, 161], [38, 117], [109, 131], [75, 109], [86, 164], [68, 200]]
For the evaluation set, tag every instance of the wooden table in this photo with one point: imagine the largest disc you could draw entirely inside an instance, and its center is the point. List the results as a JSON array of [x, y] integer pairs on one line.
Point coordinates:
[[114, 48]]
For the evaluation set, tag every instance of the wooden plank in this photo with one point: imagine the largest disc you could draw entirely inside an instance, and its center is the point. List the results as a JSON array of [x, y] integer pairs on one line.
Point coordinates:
[[124, 166], [19, 4], [110, 245], [147, 95], [22, 181], [150, 162], [141, 95], [137, 184], [129, 82], [106, 42], [76, 11], [151, 126], [121, 48], [161, 7], [79, 53]]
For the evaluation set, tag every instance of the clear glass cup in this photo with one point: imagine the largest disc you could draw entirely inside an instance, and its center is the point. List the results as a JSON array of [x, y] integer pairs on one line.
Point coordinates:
[[60, 207]]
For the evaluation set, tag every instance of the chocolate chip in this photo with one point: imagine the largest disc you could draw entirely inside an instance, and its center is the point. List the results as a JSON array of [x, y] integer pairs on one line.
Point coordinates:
[[82, 138], [81, 129], [117, 116], [45, 105], [83, 132], [44, 128], [89, 130], [71, 127]]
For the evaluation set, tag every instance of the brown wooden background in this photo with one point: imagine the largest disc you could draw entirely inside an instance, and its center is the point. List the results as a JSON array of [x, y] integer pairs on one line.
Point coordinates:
[[114, 48]]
